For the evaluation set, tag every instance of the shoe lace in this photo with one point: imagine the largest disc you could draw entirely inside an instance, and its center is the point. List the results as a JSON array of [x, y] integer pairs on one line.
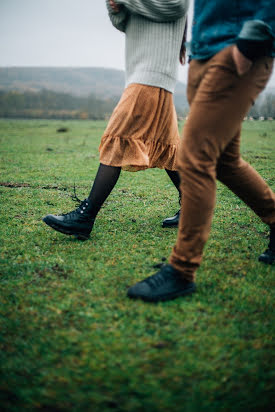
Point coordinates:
[[159, 278], [75, 198], [81, 206]]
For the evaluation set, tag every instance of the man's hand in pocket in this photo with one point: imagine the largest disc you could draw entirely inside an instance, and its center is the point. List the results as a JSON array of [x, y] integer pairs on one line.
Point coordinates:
[[242, 63]]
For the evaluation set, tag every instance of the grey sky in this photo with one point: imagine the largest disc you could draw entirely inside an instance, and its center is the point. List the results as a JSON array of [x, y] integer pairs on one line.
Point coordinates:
[[61, 33]]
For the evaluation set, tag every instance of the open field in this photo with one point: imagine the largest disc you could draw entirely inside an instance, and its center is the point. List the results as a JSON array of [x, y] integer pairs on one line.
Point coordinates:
[[70, 340]]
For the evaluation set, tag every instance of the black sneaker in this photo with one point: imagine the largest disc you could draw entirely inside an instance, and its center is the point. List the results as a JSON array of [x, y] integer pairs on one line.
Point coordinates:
[[77, 223], [267, 257], [171, 221], [164, 285]]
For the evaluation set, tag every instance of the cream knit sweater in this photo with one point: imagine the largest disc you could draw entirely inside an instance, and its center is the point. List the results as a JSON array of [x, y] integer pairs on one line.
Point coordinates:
[[154, 31]]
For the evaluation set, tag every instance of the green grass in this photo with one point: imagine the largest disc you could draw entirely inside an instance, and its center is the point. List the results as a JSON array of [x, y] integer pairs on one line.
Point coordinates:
[[70, 340]]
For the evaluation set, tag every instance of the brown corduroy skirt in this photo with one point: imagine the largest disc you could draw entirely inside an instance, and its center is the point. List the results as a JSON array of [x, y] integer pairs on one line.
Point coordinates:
[[142, 132]]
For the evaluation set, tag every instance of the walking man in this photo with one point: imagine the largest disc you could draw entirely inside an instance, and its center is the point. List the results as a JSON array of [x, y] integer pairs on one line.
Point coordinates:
[[232, 51]]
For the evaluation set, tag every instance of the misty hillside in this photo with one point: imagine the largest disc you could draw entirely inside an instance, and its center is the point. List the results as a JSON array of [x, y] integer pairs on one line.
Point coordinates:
[[99, 82], [76, 81], [81, 92]]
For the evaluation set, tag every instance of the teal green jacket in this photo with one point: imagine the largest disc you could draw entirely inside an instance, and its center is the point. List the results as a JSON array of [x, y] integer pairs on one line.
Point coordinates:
[[219, 23]]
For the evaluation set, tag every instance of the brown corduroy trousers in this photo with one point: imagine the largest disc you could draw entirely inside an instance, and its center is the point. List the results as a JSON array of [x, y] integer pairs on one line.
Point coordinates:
[[210, 149]]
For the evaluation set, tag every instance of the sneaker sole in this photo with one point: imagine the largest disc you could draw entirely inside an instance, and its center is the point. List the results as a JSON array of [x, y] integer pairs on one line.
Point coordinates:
[[164, 298], [79, 236], [267, 261]]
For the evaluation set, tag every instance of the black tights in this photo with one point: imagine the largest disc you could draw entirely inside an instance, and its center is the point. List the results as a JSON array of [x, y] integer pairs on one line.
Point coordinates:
[[175, 177], [105, 181]]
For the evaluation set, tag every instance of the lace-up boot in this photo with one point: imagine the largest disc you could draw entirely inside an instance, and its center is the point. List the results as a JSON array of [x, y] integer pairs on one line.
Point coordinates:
[[78, 222], [174, 220], [269, 254], [164, 285]]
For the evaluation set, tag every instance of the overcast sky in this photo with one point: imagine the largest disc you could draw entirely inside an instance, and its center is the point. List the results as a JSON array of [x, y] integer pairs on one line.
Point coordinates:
[[75, 33]]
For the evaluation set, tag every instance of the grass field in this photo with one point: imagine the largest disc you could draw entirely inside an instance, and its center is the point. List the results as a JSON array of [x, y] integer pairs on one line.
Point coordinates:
[[70, 340]]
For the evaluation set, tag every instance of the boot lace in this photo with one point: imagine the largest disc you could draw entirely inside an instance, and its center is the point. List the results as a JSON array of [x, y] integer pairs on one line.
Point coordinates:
[[81, 206]]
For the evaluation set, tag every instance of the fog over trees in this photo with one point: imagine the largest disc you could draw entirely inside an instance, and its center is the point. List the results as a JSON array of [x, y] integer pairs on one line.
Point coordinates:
[[82, 93]]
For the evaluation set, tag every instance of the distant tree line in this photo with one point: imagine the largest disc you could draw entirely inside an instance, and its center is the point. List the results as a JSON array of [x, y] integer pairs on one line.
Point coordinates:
[[51, 105], [47, 104], [264, 107]]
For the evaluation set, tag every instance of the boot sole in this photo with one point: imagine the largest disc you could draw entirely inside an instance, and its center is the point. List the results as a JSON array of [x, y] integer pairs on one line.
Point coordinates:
[[79, 236], [164, 298], [165, 225]]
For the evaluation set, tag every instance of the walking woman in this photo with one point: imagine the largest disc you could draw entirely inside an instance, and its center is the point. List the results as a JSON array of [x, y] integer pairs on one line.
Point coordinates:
[[142, 132]]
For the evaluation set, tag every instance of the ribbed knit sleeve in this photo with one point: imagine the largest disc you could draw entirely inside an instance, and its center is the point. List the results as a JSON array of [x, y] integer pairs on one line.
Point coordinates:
[[157, 10], [119, 20], [152, 51]]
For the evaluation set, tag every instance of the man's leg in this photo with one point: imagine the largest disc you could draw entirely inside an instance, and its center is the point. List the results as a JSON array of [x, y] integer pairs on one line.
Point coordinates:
[[220, 99], [249, 186], [216, 113]]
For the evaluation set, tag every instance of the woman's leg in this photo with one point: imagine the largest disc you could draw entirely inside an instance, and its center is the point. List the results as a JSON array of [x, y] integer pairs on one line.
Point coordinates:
[[105, 181], [80, 221], [175, 178], [174, 220]]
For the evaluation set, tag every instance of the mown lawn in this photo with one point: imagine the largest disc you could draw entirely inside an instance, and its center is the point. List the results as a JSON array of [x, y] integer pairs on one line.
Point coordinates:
[[70, 340]]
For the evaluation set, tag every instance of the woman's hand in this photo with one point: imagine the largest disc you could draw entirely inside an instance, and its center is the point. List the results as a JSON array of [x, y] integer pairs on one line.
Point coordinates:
[[242, 63], [114, 6]]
